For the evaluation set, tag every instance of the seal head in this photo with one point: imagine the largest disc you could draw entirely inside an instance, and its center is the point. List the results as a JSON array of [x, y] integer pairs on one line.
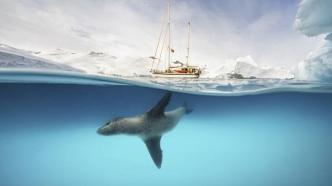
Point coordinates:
[[111, 128]]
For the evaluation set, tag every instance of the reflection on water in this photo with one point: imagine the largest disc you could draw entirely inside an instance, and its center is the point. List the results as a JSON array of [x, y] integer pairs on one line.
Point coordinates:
[[212, 87]]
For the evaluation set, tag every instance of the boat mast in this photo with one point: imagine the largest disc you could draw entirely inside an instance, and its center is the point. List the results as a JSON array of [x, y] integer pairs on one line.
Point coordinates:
[[169, 36], [188, 48]]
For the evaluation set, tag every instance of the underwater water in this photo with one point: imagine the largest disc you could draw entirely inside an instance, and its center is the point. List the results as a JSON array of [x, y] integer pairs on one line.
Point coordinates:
[[48, 137]]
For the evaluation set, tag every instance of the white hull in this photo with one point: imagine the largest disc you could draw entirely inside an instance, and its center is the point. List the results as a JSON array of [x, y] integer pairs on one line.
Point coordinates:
[[175, 75]]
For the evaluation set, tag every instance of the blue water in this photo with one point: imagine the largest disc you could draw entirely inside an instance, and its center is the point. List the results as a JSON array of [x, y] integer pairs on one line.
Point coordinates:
[[48, 137]]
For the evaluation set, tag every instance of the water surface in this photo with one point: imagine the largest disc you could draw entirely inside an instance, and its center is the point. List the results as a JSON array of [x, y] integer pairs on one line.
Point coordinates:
[[271, 137]]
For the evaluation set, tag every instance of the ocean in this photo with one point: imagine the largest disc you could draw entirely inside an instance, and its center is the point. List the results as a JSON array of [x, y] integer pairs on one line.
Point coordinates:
[[48, 135]]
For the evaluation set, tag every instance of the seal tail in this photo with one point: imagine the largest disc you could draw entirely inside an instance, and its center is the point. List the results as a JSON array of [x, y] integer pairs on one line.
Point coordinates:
[[188, 109], [153, 145]]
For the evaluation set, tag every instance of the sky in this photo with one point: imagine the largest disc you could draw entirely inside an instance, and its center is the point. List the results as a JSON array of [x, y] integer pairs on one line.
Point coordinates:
[[221, 29]]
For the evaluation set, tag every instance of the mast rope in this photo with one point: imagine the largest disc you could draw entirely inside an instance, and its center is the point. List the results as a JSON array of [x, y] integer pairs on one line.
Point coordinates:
[[159, 39], [162, 49]]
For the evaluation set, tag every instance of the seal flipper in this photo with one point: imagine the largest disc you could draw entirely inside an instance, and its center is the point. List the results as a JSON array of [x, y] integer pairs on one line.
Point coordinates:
[[153, 145], [158, 110]]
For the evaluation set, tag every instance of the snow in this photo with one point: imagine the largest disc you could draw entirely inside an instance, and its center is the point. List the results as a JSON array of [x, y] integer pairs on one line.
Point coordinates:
[[14, 58], [97, 62], [103, 63]]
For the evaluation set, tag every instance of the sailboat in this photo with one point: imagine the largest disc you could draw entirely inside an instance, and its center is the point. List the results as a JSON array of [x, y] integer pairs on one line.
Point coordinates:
[[171, 68]]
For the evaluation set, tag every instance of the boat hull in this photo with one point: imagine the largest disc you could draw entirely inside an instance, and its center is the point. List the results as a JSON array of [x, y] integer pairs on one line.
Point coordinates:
[[174, 75]]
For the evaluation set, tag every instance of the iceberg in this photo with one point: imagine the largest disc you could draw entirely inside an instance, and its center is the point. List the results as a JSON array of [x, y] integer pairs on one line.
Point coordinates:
[[314, 18], [247, 68], [318, 65]]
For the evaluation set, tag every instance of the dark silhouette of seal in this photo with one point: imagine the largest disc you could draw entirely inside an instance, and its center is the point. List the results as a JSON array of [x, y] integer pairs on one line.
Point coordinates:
[[149, 126]]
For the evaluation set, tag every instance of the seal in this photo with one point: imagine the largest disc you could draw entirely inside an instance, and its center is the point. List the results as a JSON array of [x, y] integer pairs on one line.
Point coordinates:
[[149, 126]]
